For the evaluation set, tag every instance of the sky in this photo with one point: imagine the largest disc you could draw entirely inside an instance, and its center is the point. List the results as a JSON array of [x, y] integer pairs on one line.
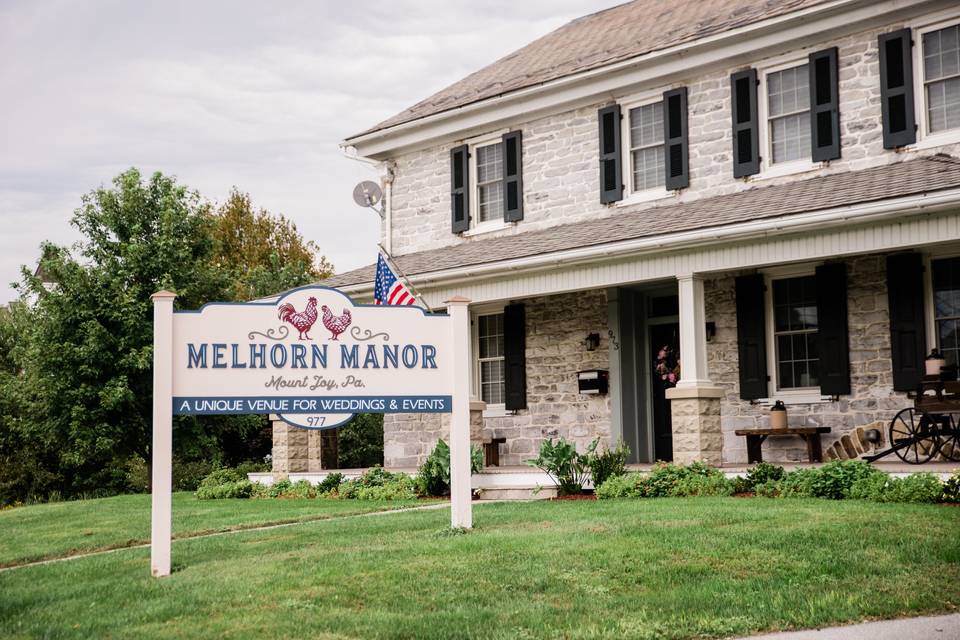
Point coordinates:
[[231, 93]]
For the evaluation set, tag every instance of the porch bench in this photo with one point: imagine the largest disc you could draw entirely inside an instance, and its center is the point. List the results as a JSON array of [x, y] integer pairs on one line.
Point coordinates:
[[811, 435], [491, 451]]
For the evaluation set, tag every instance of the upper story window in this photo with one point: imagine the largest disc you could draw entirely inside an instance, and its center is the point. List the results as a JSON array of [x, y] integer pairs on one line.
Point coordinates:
[[489, 181], [794, 302], [788, 114], [941, 78], [646, 147]]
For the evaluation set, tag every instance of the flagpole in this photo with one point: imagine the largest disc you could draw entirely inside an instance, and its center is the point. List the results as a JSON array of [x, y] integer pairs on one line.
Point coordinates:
[[404, 277]]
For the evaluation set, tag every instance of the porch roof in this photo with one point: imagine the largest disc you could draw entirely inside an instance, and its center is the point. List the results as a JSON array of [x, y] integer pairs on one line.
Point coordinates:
[[911, 177]]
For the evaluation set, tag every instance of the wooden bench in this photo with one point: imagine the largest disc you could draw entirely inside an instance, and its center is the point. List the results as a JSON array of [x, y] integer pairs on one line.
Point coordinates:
[[491, 451], [811, 435]]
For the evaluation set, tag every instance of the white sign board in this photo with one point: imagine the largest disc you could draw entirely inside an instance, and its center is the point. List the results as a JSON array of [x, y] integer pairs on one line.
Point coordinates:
[[314, 358]]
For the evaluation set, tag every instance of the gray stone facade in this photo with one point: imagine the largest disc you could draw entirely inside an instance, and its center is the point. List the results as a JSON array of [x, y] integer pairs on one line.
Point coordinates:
[[557, 327]]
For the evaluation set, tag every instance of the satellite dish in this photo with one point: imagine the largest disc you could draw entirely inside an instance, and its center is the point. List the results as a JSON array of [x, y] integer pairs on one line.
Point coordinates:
[[367, 194]]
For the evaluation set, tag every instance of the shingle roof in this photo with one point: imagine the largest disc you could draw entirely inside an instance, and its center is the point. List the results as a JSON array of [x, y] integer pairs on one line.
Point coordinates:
[[920, 175], [599, 39]]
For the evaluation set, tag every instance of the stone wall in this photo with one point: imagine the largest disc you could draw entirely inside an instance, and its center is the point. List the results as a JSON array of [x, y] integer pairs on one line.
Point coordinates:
[[557, 327], [871, 378], [560, 151]]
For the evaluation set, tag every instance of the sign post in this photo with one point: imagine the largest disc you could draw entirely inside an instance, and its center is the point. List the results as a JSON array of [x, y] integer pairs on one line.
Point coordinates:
[[161, 451], [313, 358], [461, 515]]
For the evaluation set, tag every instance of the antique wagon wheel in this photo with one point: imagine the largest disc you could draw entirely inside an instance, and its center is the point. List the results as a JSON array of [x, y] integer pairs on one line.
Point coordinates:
[[917, 432], [950, 439]]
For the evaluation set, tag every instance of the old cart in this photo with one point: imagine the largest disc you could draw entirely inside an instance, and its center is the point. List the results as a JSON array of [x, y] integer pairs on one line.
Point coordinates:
[[929, 427]]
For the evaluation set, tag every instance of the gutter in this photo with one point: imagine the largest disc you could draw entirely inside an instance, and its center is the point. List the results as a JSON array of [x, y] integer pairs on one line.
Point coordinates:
[[813, 221]]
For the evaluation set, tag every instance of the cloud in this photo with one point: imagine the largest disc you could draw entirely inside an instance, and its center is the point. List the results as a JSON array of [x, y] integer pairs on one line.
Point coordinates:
[[226, 93]]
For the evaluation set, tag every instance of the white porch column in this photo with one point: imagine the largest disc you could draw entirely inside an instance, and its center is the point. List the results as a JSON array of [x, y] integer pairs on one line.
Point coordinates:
[[693, 332], [695, 401]]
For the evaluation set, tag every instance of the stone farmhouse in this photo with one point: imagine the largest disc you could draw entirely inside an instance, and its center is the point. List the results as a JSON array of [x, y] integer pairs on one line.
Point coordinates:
[[757, 197]]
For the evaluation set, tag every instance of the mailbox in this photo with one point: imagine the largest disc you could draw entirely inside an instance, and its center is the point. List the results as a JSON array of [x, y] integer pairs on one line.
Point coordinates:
[[593, 382]]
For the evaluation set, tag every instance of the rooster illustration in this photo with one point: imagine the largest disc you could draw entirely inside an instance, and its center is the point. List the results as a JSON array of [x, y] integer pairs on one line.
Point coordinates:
[[336, 324], [302, 321]]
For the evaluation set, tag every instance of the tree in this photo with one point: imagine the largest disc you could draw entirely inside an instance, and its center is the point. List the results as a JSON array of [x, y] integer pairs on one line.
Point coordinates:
[[264, 253], [360, 442]]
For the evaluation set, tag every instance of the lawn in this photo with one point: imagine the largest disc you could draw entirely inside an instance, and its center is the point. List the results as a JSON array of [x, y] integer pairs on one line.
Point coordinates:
[[59, 529], [665, 568]]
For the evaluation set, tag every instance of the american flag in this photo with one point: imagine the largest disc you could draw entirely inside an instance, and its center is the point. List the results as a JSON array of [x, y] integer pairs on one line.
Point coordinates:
[[387, 289]]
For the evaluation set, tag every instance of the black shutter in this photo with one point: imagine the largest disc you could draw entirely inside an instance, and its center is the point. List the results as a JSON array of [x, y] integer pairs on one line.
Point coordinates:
[[513, 176], [907, 333], [611, 180], [896, 89], [751, 337], [675, 138], [514, 357], [824, 106], [459, 189], [743, 105], [832, 343]]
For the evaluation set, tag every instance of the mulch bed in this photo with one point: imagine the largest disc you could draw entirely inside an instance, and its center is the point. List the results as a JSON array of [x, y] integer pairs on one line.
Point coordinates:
[[582, 496]]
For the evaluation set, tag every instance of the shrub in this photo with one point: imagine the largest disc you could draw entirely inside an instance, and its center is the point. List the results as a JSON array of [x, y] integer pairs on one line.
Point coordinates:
[[237, 489], [561, 462], [279, 488], [433, 476], [378, 484], [608, 464], [869, 488], [300, 489], [697, 485], [330, 484], [360, 441], [918, 487], [221, 476], [764, 472], [951, 488], [834, 479], [187, 476], [629, 485], [251, 466]]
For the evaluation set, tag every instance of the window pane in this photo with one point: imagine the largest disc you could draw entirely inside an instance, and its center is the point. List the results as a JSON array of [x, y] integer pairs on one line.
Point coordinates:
[[941, 53], [648, 168], [790, 137], [489, 163], [491, 381], [491, 201], [490, 334], [946, 306], [788, 91], [646, 125], [795, 332], [943, 104]]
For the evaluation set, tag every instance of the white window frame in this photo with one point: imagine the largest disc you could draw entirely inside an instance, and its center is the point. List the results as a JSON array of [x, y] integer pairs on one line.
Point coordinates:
[[929, 312], [799, 395], [491, 410], [925, 139], [630, 196], [477, 227], [767, 167]]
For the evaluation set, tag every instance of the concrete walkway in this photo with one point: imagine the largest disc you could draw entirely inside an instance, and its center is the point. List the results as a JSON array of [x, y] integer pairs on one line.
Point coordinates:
[[929, 628]]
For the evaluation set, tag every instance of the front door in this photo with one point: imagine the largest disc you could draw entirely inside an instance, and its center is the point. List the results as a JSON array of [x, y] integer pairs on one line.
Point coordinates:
[[664, 351]]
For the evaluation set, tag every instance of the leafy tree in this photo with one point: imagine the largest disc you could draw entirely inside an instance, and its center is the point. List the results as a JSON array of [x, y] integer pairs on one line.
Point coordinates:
[[264, 253], [360, 442]]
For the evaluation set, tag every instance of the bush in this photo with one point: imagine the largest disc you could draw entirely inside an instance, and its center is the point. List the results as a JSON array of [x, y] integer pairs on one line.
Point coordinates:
[[279, 488], [561, 462], [918, 488], [237, 489], [360, 442], [951, 488], [433, 476], [378, 484], [764, 472], [712, 485], [608, 464], [187, 476], [629, 485], [834, 479], [330, 484]]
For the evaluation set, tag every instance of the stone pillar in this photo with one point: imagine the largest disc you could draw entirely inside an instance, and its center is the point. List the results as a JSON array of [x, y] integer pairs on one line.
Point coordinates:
[[291, 449], [695, 401], [695, 413], [476, 422]]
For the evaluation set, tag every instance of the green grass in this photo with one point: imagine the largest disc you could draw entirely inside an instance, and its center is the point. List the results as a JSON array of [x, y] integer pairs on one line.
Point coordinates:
[[667, 568], [59, 529]]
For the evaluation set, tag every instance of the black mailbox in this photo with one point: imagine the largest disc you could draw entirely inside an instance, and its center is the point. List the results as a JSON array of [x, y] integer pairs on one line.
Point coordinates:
[[593, 382]]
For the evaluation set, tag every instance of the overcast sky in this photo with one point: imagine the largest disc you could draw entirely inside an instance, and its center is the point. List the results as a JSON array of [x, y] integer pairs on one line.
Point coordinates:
[[245, 93]]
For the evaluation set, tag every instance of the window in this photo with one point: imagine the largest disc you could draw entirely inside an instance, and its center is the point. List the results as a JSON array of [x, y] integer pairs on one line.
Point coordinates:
[[490, 352], [788, 114], [795, 332], [489, 163], [946, 307], [941, 78], [646, 147]]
